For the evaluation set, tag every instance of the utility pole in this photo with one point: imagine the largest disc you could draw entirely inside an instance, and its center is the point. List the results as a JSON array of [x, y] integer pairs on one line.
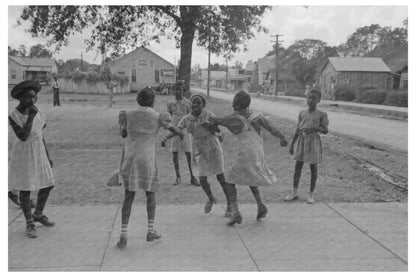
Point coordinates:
[[81, 63], [226, 73], [276, 63], [209, 61]]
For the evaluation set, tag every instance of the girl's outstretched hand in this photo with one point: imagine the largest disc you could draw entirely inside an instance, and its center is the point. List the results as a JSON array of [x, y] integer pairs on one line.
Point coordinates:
[[283, 142]]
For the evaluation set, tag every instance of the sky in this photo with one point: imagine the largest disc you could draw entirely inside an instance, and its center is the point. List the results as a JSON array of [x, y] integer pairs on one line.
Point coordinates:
[[332, 24]]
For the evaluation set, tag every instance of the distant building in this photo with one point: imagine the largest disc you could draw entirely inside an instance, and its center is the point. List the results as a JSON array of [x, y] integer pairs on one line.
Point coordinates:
[[236, 78], [22, 68], [263, 67], [355, 72], [144, 68]]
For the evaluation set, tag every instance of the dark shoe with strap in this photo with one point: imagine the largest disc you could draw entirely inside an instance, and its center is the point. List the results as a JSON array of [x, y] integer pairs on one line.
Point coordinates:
[[31, 231], [237, 218], [195, 182], [122, 243], [261, 212], [14, 198], [209, 204], [43, 220], [151, 236]]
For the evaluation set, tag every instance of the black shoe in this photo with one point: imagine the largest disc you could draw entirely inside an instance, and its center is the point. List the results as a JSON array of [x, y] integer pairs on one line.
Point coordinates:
[[195, 182], [237, 218], [122, 243], [262, 212], [209, 204], [151, 236], [31, 231], [43, 220], [14, 198]]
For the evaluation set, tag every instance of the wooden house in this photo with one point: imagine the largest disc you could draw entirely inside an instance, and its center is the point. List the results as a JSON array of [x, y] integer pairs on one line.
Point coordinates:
[[354, 72]]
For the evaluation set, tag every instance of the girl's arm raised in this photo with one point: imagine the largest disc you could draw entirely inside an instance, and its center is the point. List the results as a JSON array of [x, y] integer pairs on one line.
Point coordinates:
[[23, 132]]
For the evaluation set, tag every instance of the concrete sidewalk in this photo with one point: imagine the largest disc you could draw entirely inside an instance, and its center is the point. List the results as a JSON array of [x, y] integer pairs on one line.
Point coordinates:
[[294, 237]]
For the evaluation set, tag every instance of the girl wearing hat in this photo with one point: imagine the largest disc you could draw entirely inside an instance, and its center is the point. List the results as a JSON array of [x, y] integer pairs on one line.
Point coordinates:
[[138, 169], [206, 148], [250, 167], [30, 165], [179, 109]]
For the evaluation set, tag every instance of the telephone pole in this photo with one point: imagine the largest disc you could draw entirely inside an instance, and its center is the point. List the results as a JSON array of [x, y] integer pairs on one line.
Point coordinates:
[[81, 62], [209, 61], [276, 62]]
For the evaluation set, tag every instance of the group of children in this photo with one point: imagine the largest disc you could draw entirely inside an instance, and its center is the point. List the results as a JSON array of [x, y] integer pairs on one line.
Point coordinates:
[[193, 130]]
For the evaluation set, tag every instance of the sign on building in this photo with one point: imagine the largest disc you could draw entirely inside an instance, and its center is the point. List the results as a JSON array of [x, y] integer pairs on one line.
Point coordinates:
[[167, 72]]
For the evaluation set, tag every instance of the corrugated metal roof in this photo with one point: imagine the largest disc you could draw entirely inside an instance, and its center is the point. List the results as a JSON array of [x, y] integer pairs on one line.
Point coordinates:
[[33, 61], [369, 64]]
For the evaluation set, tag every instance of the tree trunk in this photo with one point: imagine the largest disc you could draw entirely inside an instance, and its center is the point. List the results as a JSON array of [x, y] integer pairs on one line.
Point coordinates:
[[188, 33]]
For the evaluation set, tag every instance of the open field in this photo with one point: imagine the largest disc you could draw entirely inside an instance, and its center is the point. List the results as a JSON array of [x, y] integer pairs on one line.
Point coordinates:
[[83, 140]]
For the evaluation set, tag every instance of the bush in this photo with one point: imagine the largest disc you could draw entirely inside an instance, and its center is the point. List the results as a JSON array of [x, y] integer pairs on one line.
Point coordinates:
[[396, 98], [370, 95], [345, 93], [254, 87]]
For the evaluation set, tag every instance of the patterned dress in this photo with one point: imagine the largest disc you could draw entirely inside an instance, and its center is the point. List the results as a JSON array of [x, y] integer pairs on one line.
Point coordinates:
[[249, 168], [178, 110], [138, 167], [29, 167], [207, 150], [308, 147]]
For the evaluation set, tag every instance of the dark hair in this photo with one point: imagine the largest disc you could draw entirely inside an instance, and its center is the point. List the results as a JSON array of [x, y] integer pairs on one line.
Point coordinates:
[[317, 92], [243, 99], [146, 97]]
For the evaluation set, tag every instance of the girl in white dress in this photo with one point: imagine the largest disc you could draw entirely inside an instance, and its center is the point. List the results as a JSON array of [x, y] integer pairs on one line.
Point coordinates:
[[30, 165], [249, 168], [138, 169]]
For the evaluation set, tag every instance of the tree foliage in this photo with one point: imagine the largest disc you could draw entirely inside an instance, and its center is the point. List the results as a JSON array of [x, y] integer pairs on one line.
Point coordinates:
[[36, 51], [119, 28]]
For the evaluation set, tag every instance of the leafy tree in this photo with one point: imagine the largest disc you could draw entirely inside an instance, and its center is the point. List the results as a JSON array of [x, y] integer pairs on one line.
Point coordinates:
[[238, 65], [118, 28], [369, 38], [13, 52], [39, 51]]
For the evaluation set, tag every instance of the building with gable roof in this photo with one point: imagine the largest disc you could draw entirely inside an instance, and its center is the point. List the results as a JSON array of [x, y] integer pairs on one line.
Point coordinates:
[[354, 72], [23, 68], [144, 68]]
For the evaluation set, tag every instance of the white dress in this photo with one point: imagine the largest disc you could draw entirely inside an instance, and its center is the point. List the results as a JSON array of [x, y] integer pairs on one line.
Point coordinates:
[[29, 167], [138, 167], [178, 110]]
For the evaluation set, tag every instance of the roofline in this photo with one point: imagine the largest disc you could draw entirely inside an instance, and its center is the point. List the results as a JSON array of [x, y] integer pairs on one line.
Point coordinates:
[[157, 55], [14, 59], [146, 49]]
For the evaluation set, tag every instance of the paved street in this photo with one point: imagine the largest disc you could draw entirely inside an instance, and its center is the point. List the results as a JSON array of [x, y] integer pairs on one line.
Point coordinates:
[[378, 131], [293, 237]]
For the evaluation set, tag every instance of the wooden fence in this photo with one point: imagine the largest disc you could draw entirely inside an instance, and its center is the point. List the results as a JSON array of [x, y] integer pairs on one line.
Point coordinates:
[[68, 85]]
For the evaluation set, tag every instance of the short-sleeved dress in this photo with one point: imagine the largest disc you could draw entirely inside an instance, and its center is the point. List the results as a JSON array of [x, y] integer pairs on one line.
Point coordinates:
[[178, 110], [206, 148], [308, 147], [138, 167], [249, 168], [29, 167]]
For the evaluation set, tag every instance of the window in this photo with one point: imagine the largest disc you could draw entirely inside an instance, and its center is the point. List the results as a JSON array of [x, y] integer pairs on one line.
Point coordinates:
[[241, 72], [157, 79], [142, 62], [13, 74], [133, 75]]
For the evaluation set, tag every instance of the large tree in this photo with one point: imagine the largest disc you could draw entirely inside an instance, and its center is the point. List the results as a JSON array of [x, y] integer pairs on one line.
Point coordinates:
[[39, 51], [118, 28]]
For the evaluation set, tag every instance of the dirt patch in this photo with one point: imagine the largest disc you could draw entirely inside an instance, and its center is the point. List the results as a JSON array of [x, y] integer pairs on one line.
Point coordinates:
[[83, 140]]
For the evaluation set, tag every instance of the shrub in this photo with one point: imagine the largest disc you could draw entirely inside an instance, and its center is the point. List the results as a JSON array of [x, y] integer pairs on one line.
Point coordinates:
[[396, 98], [345, 93], [370, 95], [294, 89]]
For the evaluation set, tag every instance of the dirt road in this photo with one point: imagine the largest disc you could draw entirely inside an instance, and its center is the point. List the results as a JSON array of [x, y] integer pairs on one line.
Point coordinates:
[[376, 131]]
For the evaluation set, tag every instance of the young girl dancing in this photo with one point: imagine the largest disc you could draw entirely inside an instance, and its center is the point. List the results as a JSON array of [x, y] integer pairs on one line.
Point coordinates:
[[250, 167], [308, 147], [206, 147], [138, 169]]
